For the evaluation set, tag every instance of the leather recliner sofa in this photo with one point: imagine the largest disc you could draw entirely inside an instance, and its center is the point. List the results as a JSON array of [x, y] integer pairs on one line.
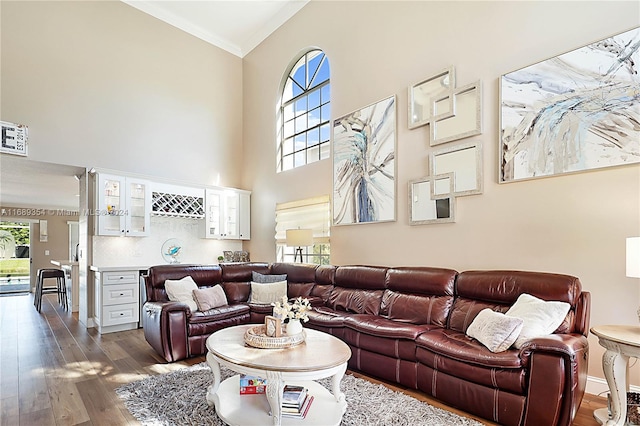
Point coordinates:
[[407, 326]]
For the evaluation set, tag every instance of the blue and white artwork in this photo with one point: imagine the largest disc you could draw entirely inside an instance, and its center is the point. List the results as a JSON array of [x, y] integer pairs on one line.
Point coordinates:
[[574, 112], [364, 151]]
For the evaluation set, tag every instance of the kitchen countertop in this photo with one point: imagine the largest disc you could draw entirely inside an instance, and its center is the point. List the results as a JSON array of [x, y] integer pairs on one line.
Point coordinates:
[[97, 268], [61, 263]]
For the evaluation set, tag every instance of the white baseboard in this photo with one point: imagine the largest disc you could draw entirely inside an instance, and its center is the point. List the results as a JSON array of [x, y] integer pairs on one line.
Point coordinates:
[[598, 386]]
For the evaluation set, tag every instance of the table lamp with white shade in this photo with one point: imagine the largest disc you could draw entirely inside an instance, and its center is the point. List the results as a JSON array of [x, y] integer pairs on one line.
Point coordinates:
[[633, 259], [299, 238]]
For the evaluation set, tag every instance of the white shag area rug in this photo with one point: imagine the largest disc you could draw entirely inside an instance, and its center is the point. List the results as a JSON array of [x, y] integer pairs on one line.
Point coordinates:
[[179, 398]]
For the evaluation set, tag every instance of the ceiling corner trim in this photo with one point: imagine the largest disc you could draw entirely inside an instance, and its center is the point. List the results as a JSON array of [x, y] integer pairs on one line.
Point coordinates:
[[180, 23], [284, 14]]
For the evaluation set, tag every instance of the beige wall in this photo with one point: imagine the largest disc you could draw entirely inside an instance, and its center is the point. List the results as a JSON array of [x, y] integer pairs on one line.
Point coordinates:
[[573, 224], [101, 84], [57, 243]]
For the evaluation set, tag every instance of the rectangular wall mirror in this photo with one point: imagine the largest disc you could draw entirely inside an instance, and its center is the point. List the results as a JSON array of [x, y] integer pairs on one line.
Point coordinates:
[[424, 207], [466, 120], [423, 94], [442, 185], [464, 162]]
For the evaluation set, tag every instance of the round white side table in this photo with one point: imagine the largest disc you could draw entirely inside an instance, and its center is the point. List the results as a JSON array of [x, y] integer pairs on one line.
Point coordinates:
[[620, 342]]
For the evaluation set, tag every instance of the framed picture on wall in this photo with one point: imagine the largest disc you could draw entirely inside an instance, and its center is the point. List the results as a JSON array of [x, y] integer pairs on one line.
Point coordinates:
[[574, 112], [364, 164], [14, 138]]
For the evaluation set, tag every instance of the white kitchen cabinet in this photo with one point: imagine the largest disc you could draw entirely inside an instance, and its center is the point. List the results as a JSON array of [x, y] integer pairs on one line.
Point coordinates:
[[244, 215], [123, 206], [116, 301], [227, 214]]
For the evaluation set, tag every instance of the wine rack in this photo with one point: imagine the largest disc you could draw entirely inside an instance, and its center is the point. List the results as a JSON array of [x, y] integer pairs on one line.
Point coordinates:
[[177, 205]]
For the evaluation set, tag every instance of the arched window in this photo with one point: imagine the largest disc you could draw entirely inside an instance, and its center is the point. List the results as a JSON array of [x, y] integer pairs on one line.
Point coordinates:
[[304, 113]]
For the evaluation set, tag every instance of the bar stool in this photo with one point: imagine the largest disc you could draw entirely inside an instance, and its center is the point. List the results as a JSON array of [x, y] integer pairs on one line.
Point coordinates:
[[60, 288]]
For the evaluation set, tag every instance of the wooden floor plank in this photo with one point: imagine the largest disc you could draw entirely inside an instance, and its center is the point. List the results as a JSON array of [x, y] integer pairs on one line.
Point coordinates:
[[66, 403], [100, 402], [39, 417], [9, 411], [67, 375]]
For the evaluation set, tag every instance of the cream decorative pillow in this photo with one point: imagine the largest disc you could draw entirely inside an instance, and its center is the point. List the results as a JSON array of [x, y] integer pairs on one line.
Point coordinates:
[[495, 330], [182, 291], [209, 298], [541, 318], [267, 293]]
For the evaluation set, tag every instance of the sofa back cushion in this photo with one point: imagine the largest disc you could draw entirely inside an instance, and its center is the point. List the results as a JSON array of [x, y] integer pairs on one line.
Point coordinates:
[[236, 279], [325, 278], [498, 290], [358, 289], [203, 275], [418, 295], [300, 277]]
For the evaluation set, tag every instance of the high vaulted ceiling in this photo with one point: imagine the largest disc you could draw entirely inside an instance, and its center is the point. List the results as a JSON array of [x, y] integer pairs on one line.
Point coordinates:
[[236, 26]]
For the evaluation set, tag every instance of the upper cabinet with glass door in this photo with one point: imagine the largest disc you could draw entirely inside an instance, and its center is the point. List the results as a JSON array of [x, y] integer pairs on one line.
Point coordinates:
[[227, 214], [123, 206]]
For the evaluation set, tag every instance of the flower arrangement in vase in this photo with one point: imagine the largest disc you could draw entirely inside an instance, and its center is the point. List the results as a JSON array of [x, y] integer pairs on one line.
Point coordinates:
[[292, 313]]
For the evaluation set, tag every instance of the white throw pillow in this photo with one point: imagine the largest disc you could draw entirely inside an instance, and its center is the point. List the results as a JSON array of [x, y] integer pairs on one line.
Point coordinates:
[[182, 291], [495, 330], [541, 318], [267, 293]]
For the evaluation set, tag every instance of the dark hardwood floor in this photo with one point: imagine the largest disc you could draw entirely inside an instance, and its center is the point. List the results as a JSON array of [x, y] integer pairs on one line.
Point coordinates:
[[53, 371]]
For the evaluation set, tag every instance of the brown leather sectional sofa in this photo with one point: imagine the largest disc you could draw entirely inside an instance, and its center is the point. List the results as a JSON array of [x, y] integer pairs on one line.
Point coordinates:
[[405, 325]]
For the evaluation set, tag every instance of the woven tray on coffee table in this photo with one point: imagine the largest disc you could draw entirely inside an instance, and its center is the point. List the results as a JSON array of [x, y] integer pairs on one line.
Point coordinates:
[[257, 338]]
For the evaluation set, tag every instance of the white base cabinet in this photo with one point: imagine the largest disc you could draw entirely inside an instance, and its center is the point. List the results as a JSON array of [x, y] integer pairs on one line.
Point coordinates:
[[116, 301]]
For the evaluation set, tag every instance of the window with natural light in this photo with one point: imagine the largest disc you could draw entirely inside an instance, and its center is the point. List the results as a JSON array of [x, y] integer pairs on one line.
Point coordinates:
[[304, 113], [311, 214]]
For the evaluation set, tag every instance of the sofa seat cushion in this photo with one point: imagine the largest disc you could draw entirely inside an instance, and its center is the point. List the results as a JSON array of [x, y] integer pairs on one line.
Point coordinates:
[[220, 313], [261, 308], [382, 327], [457, 345], [512, 380], [327, 317]]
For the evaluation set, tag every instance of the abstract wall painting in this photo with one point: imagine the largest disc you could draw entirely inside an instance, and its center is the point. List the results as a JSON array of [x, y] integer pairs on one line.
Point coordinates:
[[364, 166], [574, 112]]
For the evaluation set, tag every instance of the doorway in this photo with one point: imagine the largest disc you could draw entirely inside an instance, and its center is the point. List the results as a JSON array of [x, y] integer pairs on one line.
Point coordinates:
[[15, 257]]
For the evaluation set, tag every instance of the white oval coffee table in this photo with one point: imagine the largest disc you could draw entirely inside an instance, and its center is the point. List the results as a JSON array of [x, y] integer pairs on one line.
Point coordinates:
[[320, 356]]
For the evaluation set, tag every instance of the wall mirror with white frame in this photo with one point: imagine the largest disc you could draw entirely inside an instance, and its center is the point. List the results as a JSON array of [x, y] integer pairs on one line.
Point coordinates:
[[466, 119], [430, 200], [464, 162], [432, 93]]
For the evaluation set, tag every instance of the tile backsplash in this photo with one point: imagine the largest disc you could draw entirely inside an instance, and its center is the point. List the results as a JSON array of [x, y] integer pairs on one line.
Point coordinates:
[[146, 251]]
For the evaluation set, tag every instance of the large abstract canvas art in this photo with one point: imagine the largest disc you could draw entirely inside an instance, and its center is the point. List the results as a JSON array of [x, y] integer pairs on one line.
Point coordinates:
[[364, 150], [577, 111]]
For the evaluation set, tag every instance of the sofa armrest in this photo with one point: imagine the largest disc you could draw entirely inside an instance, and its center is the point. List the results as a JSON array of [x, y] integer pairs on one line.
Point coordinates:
[[557, 378], [570, 345], [165, 328]]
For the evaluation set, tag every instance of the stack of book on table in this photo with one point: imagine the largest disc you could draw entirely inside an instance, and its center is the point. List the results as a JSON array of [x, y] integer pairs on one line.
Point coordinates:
[[250, 385], [295, 401]]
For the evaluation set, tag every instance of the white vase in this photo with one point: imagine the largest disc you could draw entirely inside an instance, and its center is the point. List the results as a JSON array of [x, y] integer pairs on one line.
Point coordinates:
[[294, 326]]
